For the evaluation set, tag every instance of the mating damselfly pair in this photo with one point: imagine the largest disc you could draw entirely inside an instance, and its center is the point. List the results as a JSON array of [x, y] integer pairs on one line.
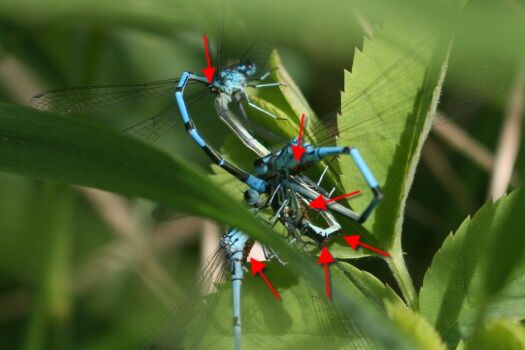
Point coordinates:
[[279, 190]]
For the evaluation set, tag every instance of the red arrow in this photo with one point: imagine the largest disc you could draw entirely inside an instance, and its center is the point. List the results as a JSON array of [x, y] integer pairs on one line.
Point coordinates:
[[298, 151], [320, 203], [354, 241], [325, 258], [210, 70], [257, 268]]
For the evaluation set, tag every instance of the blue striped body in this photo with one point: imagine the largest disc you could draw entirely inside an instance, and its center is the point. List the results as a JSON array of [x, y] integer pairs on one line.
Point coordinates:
[[235, 244], [283, 162], [254, 182]]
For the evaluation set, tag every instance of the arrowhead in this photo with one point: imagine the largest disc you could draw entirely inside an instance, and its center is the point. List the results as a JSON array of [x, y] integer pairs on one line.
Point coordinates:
[[298, 152], [209, 72], [318, 203], [325, 257], [257, 266], [353, 241]]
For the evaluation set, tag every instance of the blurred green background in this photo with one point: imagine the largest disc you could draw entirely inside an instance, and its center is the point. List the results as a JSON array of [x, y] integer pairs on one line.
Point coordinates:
[[83, 269]]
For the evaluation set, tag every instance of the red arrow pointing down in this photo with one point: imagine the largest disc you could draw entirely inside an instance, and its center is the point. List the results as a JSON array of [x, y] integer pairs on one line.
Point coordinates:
[[354, 241], [325, 258], [298, 150], [209, 70], [320, 203], [257, 268]]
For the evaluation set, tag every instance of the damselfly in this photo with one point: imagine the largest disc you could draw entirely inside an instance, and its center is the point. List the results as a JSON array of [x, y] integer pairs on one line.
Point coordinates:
[[229, 84]]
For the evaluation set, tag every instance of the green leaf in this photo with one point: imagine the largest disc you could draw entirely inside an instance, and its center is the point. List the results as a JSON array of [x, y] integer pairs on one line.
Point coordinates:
[[414, 326], [366, 285], [387, 108], [501, 335], [294, 98], [454, 293], [511, 240], [388, 104], [227, 183], [303, 316], [60, 149], [290, 90]]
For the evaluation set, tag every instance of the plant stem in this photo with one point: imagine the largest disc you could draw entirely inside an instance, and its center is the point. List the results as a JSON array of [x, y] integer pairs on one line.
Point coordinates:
[[49, 319], [397, 265]]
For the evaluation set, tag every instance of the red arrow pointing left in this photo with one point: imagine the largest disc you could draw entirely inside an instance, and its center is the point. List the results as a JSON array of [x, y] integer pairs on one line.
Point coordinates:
[[325, 258], [209, 70], [320, 203], [257, 268], [354, 241]]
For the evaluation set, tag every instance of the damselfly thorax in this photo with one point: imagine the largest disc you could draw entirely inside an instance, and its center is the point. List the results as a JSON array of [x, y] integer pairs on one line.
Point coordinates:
[[233, 79]]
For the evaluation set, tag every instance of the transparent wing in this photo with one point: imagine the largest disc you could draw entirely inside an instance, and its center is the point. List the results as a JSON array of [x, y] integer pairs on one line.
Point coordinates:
[[90, 98], [186, 321], [336, 327], [382, 124], [218, 59], [153, 128], [470, 89], [202, 320]]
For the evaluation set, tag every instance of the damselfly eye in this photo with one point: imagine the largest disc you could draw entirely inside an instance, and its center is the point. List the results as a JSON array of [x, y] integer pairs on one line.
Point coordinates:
[[251, 197], [248, 67]]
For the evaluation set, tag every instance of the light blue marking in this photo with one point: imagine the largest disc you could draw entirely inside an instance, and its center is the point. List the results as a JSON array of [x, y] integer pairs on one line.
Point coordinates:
[[183, 79], [180, 98], [235, 243], [195, 135], [236, 290], [182, 107], [199, 78], [256, 183], [363, 168], [328, 151]]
